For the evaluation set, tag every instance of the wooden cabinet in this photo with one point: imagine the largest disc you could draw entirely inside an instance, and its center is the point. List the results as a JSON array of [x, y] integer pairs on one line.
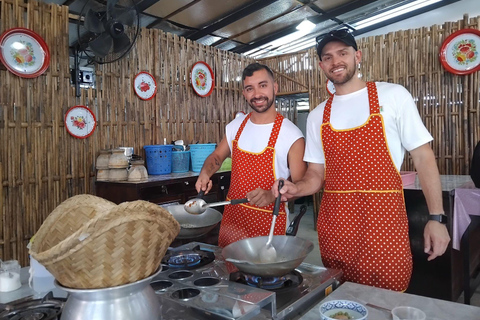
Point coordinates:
[[163, 189]]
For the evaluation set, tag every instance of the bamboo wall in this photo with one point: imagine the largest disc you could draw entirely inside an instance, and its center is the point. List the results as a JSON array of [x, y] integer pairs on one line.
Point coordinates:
[[41, 165], [447, 103]]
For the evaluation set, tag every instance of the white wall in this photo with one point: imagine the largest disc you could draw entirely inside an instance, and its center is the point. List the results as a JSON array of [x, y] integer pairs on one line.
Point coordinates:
[[451, 12]]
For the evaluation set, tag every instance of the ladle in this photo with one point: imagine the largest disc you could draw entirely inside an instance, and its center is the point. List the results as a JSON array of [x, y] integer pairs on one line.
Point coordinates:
[[268, 253], [198, 206]]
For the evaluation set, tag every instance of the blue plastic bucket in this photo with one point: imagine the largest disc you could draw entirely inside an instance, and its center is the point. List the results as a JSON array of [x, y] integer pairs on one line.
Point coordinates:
[[198, 154], [159, 158], [180, 161]]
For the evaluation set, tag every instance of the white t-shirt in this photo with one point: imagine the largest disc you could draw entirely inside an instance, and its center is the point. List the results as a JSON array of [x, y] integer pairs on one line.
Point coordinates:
[[254, 138], [403, 126]]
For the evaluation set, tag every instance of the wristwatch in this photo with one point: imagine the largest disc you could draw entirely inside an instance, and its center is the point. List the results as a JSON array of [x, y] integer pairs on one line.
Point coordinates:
[[442, 218]]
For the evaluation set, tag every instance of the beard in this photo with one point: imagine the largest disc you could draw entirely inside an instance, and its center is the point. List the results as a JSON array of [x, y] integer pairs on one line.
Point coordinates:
[[350, 73], [265, 107]]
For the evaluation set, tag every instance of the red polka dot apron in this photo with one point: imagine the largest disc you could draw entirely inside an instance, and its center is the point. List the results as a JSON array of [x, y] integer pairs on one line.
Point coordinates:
[[362, 224], [250, 171]]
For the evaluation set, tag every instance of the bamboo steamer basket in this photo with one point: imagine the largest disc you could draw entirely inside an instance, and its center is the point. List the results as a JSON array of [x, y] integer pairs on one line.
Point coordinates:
[[67, 218], [122, 245]]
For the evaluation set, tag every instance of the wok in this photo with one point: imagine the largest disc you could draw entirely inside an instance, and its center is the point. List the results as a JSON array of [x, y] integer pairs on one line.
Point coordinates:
[[291, 251], [194, 226]]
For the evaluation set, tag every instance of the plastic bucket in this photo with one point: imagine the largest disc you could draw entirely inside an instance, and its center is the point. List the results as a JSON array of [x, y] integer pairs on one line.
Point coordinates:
[[180, 161], [198, 154], [159, 158]]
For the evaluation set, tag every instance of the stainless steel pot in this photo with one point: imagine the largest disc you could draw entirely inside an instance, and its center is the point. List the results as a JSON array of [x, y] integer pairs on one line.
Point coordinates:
[[130, 301], [194, 226]]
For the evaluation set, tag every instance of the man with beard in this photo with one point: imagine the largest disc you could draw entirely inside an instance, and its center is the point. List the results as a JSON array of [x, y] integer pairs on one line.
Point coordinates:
[[355, 147], [264, 147]]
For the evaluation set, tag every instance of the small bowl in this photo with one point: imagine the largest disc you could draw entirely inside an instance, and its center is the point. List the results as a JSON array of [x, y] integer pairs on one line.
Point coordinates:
[[412, 313], [332, 310]]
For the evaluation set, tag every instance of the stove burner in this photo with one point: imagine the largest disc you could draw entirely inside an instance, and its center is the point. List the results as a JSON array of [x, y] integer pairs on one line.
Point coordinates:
[[47, 308], [36, 314], [287, 282], [188, 259]]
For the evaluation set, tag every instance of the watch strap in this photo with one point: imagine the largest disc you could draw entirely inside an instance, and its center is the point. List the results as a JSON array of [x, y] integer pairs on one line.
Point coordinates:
[[442, 218]]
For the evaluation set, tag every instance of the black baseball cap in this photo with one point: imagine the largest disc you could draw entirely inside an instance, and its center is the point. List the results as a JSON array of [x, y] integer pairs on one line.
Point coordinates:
[[342, 35]]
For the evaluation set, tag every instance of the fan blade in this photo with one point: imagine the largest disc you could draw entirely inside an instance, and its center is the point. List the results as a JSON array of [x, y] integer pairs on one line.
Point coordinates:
[[121, 43], [111, 9], [126, 15], [101, 46], [93, 22]]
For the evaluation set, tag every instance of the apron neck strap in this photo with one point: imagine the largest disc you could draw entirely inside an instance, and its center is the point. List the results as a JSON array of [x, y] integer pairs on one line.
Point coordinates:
[[372, 101], [273, 135]]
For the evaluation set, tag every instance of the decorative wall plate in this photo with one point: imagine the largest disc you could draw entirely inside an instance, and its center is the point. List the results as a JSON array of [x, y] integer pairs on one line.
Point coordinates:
[[145, 85], [330, 87], [202, 79], [459, 53], [24, 53], [80, 122]]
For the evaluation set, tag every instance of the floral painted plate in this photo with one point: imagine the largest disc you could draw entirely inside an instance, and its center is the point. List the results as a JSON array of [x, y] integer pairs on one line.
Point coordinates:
[[145, 85], [80, 122], [459, 53], [202, 79], [24, 53]]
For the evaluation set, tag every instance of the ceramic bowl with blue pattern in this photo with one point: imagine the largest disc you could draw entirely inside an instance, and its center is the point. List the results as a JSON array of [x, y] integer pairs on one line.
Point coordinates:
[[343, 309]]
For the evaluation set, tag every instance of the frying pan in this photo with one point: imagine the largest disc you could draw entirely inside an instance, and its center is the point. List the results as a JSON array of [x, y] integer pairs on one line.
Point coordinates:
[[194, 226], [291, 251]]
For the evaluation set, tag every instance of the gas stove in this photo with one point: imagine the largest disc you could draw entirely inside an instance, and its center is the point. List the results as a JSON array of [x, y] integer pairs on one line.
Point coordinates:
[[46, 308], [197, 283]]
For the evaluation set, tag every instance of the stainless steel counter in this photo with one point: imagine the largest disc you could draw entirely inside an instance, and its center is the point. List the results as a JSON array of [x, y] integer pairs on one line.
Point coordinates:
[[435, 309]]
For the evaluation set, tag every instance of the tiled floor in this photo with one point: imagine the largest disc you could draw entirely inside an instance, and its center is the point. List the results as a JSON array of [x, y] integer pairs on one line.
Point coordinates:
[[306, 230]]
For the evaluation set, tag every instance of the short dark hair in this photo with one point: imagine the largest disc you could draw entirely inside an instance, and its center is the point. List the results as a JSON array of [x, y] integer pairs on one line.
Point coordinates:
[[251, 68], [342, 35]]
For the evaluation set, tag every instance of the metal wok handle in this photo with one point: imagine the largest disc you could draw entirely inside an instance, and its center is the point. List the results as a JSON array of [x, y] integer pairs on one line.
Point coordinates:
[[293, 227], [276, 208]]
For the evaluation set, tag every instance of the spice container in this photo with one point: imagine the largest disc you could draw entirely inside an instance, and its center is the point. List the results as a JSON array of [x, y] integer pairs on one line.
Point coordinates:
[[9, 276]]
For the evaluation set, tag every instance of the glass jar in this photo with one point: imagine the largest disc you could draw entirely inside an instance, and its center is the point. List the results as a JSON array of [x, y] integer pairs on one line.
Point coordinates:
[[9, 276]]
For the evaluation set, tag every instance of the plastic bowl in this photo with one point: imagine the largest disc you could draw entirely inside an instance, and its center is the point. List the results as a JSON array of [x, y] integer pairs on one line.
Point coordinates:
[[407, 313], [335, 309]]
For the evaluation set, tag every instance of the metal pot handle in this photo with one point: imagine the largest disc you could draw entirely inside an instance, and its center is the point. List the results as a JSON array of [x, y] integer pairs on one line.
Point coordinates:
[[293, 227]]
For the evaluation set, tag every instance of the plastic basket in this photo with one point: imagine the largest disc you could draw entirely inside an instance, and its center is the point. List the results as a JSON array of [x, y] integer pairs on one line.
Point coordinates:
[[198, 154], [180, 161], [159, 159]]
